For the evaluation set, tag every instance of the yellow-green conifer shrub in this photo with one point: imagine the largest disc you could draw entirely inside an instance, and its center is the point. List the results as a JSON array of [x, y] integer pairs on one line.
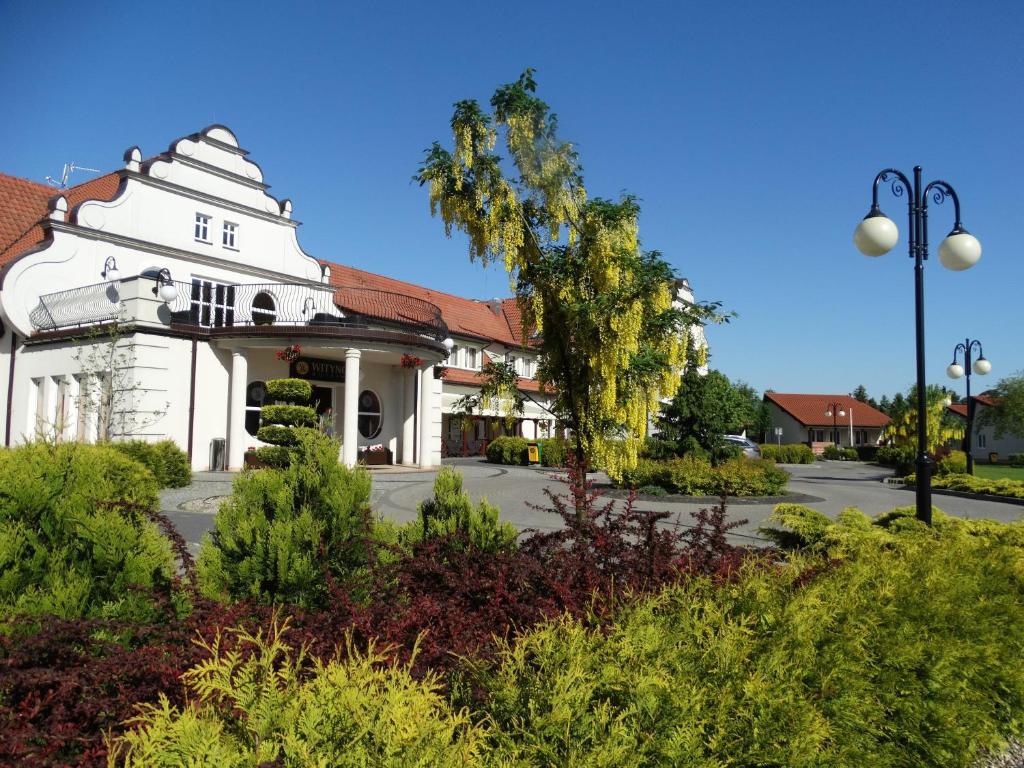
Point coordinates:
[[75, 540], [451, 510], [893, 645], [283, 530], [262, 702]]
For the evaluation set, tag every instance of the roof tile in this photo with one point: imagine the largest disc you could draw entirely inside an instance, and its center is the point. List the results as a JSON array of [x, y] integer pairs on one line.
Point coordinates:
[[810, 410]]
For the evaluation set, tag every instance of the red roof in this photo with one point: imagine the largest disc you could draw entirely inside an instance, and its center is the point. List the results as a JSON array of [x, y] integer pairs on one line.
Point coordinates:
[[467, 317], [25, 204], [810, 410], [475, 379], [960, 409], [985, 400]]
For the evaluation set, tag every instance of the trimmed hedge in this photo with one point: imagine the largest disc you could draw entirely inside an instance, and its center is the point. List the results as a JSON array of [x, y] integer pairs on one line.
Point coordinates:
[[75, 540], [837, 453], [692, 476], [900, 458], [791, 453], [507, 450], [168, 463], [553, 451], [1016, 459]]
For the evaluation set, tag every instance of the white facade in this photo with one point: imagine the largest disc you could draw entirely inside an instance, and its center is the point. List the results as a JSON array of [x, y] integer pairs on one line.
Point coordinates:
[[199, 214]]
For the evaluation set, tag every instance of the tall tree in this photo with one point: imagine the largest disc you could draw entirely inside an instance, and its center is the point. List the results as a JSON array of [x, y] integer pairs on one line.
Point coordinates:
[[860, 394], [1008, 414], [613, 337], [941, 426]]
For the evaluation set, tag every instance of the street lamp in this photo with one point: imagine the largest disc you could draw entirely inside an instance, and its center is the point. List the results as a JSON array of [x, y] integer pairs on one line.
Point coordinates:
[[834, 410], [981, 367], [875, 236]]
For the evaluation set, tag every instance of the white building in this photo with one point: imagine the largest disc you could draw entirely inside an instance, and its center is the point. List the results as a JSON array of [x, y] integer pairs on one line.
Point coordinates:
[[171, 287]]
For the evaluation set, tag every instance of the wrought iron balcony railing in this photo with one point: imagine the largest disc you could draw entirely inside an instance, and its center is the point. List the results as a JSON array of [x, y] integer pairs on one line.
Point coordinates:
[[209, 304]]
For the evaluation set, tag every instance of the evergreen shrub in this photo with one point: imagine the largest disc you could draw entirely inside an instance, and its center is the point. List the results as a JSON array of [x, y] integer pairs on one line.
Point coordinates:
[[289, 391], [553, 451], [285, 531], [289, 415], [282, 419], [955, 463], [867, 452], [451, 511], [899, 457], [1014, 489], [508, 450], [791, 453], [691, 476], [850, 454], [658, 449], [75, 534], [888, 645], [1016, 459], [264, 705], [168, 463], [832, 452]]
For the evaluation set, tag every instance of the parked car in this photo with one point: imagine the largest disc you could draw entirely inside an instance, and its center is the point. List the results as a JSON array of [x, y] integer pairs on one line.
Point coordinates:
[[750, 449]]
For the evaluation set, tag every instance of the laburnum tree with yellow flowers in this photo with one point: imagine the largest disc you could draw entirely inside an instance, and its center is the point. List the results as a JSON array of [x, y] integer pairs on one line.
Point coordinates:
[[613, 340], [940, 426]]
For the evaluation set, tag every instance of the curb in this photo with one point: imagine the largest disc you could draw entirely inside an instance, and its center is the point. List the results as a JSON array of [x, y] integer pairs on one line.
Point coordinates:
[[968, 495]]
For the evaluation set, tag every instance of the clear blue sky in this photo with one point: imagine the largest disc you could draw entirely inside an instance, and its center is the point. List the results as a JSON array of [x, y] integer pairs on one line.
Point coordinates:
[[751, 131]]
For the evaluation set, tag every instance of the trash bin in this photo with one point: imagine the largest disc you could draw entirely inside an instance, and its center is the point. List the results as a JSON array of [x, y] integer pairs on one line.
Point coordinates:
[[218, 454], [533, 453]]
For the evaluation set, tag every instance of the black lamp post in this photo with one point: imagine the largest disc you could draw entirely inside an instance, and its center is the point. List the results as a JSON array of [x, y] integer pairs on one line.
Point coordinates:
[[955, 371], [876, 235], [835, 409]]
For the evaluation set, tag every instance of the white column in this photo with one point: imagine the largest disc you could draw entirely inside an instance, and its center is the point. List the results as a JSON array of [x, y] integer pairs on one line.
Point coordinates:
[[426, 417], [350, 433], [409, 415], [237, 436]]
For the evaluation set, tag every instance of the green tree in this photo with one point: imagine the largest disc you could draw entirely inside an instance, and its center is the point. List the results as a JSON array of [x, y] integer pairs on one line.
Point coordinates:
[[1007, 417], [703, 409], [613, 339]]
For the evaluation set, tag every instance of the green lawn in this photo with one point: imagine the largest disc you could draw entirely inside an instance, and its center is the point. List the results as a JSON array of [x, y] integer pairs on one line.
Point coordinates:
[[998, 471]]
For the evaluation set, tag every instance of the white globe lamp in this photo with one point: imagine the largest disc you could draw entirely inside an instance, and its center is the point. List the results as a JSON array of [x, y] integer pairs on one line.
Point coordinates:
[[876, 234], [960, 251], [955, 370], [982, 366]]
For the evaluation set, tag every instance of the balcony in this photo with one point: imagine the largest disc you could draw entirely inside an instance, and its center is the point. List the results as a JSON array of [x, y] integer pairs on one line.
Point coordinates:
[[230, 309]]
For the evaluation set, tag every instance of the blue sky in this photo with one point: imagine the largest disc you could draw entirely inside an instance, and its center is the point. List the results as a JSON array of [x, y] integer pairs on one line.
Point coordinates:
[[751, 132]]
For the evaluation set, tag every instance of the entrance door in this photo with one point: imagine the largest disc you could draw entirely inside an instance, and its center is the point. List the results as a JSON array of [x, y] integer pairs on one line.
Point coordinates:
[[323, 403]]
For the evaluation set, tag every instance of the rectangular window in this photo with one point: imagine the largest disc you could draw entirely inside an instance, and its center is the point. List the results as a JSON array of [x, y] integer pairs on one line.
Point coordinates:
[[472, 358], [62, 412], [202, 228], [82, 408], [513, 362], [38, 407], [981, 440], [213, 304], [230, 234]]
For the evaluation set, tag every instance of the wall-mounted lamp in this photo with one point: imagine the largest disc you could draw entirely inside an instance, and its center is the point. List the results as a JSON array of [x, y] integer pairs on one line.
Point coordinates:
[[110, 272], [165, 287], [448, 345]]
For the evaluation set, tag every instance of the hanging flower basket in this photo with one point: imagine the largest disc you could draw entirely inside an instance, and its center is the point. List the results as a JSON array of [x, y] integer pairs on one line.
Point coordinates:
[[411, 361], [290, 353]]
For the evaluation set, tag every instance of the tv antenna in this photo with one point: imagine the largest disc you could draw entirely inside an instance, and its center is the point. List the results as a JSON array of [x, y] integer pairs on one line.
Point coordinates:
[[69, 168]]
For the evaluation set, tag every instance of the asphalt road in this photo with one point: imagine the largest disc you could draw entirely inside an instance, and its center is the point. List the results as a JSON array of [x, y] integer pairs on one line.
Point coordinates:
[[828, 486]]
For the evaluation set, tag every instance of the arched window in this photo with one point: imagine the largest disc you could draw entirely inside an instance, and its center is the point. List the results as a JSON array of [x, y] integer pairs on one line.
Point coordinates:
[[264, 310], [370, 420], [255, 394]]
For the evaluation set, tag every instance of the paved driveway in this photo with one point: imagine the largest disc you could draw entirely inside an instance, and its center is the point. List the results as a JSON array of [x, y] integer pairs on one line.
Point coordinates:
[[828, 486]]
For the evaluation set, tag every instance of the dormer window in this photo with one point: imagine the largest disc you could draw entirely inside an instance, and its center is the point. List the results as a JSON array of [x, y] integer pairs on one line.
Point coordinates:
[[230, 235], [202, 228]]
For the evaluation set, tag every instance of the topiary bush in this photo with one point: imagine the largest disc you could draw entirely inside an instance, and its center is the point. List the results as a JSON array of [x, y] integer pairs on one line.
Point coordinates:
[[791, 453], [284, 532], [168, 463], [281, 419], [75, 534], [508, 450]]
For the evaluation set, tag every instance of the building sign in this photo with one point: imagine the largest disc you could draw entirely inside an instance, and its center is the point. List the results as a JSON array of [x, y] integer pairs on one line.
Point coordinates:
[[318, 369]]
